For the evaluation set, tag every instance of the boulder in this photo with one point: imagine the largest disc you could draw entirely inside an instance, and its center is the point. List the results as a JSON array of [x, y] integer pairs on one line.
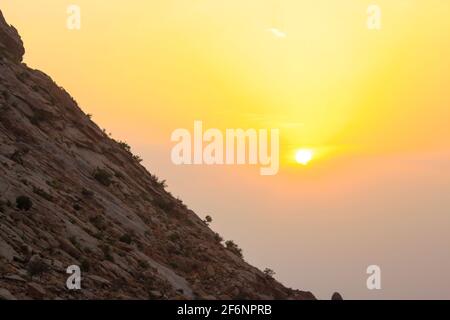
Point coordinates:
[[336, 296]]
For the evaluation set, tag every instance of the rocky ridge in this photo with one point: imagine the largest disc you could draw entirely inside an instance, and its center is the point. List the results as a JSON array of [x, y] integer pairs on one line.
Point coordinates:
[[70, 195]]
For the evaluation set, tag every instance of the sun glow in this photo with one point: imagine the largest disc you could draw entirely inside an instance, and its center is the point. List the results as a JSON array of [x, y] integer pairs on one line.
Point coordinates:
[[304, 156]]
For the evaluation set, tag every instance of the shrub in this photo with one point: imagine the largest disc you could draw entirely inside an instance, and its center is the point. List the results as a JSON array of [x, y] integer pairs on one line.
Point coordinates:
[[137, 158], [103, 177], [125, 146], [218, 237], [233, 247], [99, 222], [41, 116], [17, 157], [143, 264], [24, 203], [161, 183], [207, 220], [174, 237], [164, 204], [6, 95], [36, 268], [126, 238], [87, 193], [269, 272], [77, 207]]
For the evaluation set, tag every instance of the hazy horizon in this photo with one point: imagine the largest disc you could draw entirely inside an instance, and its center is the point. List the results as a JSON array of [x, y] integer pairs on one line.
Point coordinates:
[[373, 105]]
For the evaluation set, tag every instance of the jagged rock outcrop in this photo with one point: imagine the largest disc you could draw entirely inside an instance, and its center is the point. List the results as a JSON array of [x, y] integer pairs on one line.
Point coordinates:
[[70, 195], [11, 46]]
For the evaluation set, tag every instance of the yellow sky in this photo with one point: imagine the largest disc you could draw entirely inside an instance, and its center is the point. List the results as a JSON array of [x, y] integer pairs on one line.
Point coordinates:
[[331, 84]]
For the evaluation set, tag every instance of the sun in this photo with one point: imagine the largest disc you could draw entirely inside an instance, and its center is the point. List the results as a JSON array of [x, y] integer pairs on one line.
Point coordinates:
[[304, 156]]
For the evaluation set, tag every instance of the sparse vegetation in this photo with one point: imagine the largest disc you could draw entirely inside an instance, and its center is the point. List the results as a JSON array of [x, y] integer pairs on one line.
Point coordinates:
[[218, 237], [41, 116], [36, 268], [17, 157], [269, 272], [208, 220], [137, 158], [181, 203], [87, 193], [5, 95], [233, 247], [125, 146], [24, 203], [143, 264], [161, 183], [126, 238], [103, 177], [99, 222], [174, 237]]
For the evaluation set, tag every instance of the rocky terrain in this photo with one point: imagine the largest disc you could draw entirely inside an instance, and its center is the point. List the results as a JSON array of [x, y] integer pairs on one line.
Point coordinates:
[[70, 195]]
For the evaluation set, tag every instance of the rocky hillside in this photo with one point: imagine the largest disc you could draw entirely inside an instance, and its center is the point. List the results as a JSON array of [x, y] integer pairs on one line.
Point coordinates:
[[70, 195]]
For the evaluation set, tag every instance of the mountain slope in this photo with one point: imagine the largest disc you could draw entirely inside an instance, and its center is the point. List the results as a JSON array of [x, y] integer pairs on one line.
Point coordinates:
[[70, 195]]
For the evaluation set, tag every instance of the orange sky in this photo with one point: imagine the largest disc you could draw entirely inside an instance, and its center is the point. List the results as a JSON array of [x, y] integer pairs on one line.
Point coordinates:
[[374, 105]]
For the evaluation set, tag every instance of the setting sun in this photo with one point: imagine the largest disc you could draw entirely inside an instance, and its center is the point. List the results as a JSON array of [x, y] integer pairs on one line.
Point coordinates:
[[304, 156]]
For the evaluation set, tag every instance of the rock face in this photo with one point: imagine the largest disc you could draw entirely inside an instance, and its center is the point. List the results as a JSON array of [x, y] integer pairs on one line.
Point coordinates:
[[11, 46], [70, 195]]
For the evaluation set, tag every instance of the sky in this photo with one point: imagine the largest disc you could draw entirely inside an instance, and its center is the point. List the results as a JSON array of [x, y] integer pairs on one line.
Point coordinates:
[[372, 105]]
